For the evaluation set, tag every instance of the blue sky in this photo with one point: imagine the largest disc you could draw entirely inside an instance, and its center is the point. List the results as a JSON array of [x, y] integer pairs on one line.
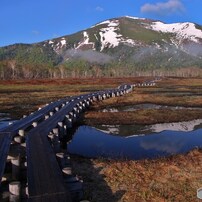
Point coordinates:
[[30, 21]]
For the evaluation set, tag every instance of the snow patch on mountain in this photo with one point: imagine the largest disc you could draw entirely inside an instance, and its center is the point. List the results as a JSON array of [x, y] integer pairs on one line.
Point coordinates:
[[57, 47], [50, 42], [182, 30], [63, 42], [85, 41], [129, 42], [102, 23], [109, 37]]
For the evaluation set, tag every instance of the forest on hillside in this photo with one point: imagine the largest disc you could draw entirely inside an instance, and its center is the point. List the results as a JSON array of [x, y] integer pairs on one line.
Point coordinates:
[[11, 69], [34, 62]]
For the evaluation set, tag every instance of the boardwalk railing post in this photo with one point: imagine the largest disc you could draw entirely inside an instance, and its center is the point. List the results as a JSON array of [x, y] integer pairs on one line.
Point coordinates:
[[15, 168], [94, 98], [68, 121], [56, 143], [61, 129], [55, 131], [56, 109], [74, 118], [21, 133], [19, 139], [64, 159], [46, 117], [51, 113], [14, 189], [34, 124]]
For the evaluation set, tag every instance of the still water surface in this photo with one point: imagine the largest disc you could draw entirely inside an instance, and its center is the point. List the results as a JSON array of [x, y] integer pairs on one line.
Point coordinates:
[[133, 141], [95, 142]]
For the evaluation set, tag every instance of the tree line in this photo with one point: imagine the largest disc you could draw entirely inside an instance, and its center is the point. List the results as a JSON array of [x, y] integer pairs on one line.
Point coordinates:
[[12, 69]]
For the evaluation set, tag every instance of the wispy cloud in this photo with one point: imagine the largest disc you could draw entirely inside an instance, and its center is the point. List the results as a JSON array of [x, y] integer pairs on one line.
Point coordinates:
[[35, 32], [100, 9], [164, 8]]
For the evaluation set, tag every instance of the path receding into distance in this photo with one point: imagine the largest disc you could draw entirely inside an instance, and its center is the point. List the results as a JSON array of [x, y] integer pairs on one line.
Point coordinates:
[[41, 169]]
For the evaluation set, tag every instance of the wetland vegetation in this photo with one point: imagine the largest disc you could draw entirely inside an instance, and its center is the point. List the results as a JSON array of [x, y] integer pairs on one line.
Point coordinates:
[[172, 178]]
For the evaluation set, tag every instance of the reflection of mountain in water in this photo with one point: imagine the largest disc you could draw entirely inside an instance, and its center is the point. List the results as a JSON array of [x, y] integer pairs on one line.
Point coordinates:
[[90, 142], [180, 126], [137, 130]]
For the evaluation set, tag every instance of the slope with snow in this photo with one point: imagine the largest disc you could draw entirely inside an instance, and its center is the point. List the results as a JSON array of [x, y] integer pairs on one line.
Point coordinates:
[[182, 30], [85, 41], [109, 37], [142, 42]]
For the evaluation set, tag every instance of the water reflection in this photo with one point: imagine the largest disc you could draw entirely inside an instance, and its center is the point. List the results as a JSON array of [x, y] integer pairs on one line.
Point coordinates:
[[91, 142], [178, 126], [128, 130], [165, 143]]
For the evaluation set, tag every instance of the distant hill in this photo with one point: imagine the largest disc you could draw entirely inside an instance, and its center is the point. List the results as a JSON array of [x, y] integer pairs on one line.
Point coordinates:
[[116, 47]]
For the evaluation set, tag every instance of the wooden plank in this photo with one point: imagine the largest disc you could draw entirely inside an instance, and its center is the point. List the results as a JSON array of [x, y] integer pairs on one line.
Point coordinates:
[[45, 180], [6, 134], [5, 140], [44, 175], [50, 198], [22, 123]]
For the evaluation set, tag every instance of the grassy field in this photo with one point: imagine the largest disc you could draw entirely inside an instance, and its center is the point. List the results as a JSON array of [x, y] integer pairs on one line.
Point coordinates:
[[168, 92], [19, 97], [173, 178]]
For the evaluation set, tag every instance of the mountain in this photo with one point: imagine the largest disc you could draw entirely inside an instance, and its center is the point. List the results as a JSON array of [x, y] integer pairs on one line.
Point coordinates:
[[128, 42]]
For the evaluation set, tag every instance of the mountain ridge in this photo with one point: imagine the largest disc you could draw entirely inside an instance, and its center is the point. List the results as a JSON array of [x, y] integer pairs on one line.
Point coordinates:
[[126, 42]]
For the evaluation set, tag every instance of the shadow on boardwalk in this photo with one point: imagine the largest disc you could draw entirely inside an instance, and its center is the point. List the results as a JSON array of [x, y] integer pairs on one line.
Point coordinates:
[[95, 187]]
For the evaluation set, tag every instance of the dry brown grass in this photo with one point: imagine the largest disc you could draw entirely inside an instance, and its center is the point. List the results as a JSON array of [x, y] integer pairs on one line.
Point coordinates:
[[75, 81], [168, 179], [147, 116], [18, 97], [169, 92], [174, 178]]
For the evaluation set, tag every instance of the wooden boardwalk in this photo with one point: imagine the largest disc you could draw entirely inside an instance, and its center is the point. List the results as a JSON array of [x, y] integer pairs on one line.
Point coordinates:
[[45, 179]]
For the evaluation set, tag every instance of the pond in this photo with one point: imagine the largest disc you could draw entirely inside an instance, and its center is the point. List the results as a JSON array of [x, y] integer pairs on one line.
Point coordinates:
[[131, 141], [103, 142]]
